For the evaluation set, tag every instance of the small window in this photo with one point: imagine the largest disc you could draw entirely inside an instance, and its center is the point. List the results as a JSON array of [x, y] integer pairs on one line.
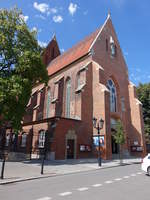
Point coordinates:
[[41, 139], [24, 140], [113, 49], [53, 52], [106, 44]]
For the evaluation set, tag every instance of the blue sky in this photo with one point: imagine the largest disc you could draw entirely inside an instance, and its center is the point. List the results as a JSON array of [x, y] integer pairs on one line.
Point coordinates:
[[72, 20]]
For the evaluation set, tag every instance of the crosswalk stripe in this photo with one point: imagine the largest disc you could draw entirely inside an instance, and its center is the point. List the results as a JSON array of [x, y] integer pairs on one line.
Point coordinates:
[[107, 182], [65, 193], [126, 177], [83, 189], [139, 173], [44, 198], [97, 185], [133, 175], [118, 179]]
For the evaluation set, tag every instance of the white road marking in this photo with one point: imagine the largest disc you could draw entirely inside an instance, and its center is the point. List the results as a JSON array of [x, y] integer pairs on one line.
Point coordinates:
[[107, 182], [65, 193], [82, 189], [126, 177], [97, 185], [133, 175], [45, 198], [118, 179], [139, 173]]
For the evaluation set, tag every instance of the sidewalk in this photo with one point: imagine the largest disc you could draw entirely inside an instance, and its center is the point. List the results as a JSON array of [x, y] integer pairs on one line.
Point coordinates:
[[29, 170]]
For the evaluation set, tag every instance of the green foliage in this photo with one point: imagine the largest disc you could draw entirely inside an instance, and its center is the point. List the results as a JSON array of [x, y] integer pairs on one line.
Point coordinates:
[[119, 135], [20, 66], [143, 92]]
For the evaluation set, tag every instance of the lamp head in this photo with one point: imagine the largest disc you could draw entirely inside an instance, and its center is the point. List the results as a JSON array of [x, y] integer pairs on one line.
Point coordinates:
[[101, 123]]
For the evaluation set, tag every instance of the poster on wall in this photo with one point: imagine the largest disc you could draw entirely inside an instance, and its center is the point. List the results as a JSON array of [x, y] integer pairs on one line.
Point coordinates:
[[96, 142], [85, 147], [136, 148]]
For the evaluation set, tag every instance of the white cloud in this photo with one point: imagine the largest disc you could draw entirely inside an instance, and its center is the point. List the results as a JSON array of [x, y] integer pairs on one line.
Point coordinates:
[[25, 18], [57, 18], [72, 8], [42, 44], [42, 7]]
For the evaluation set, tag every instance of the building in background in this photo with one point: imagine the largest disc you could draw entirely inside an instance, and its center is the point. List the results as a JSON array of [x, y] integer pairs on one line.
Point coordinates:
[[89, 80]]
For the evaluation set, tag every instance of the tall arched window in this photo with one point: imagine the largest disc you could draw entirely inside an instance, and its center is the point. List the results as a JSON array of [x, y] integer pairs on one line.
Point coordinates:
[[113, 95], [48, 103], [68, 97]]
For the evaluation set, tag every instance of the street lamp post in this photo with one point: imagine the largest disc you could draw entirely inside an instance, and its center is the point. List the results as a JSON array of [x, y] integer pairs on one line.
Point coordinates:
[[98, 125]]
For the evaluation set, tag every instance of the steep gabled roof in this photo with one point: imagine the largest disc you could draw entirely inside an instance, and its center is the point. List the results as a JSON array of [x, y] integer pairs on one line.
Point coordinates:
[[79, 50]]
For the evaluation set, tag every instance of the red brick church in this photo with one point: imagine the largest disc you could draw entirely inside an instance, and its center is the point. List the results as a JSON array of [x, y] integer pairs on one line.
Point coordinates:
[[89, 80]]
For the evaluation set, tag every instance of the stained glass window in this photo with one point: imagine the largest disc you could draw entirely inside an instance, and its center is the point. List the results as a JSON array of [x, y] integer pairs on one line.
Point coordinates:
[[113, 96]]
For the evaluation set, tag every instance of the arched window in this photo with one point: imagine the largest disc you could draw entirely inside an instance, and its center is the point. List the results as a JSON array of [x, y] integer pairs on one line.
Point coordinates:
[[24, 140], [41, 138], [68, 97], [48, 103], [113, 95]]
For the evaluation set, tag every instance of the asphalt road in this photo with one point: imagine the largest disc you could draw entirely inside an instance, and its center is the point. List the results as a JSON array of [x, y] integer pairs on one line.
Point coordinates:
[[118, 183]]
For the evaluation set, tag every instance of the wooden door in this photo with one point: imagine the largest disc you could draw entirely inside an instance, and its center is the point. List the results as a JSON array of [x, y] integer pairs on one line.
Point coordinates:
[[70, 149]]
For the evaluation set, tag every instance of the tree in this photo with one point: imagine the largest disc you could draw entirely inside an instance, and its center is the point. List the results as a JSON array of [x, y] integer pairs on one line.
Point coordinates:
[[20, 66], [119, 137], [143, 92]]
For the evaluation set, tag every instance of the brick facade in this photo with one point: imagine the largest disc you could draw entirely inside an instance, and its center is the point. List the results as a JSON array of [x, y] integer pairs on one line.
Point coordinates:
[[89, 73]]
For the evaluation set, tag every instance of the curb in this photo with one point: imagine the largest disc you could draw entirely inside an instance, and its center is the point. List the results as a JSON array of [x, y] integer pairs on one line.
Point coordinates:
[[27, 179], [55, 175]]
